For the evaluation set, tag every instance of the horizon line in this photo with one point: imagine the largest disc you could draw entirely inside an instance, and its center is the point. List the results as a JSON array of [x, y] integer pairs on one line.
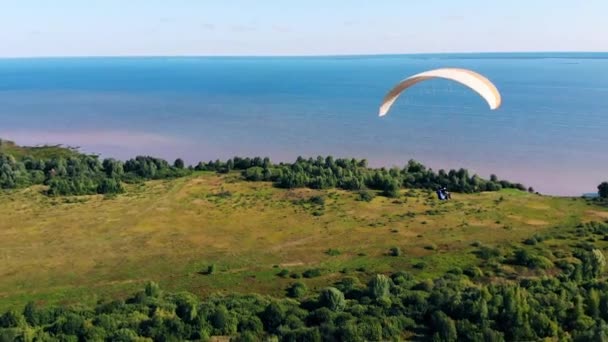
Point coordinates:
[[302, 55]]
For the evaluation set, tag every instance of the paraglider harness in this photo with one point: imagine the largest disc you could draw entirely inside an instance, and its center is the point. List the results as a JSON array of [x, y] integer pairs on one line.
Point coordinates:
[[443, 194]]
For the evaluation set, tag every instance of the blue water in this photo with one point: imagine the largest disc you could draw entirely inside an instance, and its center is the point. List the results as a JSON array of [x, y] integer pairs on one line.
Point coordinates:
[[550, 133]]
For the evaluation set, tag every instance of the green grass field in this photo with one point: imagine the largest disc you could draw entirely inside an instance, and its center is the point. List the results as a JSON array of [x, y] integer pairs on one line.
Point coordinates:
[[82, 249]]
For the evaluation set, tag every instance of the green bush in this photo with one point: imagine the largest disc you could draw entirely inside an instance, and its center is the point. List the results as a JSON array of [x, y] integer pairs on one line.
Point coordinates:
[[318, 200], [473, 272], [210, 269], [420, 265], [430, 247], [395, 251], [333, 252], [312, 273], [297, 290], [488, 253], [366, 195]]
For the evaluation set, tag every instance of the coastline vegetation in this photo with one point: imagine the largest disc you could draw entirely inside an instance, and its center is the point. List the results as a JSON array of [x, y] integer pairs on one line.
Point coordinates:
[[72, 173]]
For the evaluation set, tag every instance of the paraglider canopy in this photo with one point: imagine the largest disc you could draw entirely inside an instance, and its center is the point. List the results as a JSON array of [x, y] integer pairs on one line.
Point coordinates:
[[469, 78]]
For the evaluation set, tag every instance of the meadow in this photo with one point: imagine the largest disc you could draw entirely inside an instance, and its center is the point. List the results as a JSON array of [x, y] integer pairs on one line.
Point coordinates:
[[256, 238]]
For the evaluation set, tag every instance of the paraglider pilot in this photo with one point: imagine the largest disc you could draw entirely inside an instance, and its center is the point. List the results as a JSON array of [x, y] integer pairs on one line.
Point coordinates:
[[443, 194]]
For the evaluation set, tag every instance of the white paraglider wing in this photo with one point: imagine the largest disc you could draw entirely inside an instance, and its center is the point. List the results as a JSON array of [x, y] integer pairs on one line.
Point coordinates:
[[469, 78]]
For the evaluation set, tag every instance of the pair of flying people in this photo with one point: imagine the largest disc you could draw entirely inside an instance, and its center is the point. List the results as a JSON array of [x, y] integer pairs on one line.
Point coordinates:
[[443, 194]]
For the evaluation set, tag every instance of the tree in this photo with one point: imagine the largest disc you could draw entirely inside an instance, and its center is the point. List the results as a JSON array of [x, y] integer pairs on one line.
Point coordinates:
[[223, 322], [333, 299], [112, 168], [593, 263], [598, 262], [444, 326], [603, 190], [514, 317], [186, 307], [379, 287], [200, 167], [178, 164], [272, 316], [593, 303]]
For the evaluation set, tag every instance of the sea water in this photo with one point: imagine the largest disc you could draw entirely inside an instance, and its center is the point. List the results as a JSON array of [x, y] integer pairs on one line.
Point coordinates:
[[550, 133]]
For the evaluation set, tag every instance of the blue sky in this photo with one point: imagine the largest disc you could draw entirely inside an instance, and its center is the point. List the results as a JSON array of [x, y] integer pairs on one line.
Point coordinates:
[[308, 27]]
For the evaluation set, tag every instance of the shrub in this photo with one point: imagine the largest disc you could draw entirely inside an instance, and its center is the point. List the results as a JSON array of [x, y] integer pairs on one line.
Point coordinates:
[[297, 290], [348, 284], [254, 174], [420, 265], [455, 270], [395, 251], [401, 277], [318, 200], [523, 257], [332, 252], [425, 285], [473, 272], [487, 253], [283, 273], [312, 273], [366, 195], [211, 269], [224, 194], [109, 186]]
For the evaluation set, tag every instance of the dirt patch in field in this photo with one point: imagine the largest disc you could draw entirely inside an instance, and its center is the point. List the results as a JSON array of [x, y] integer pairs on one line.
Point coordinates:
[[536, 222], [292, 243], [478, 224], [292, 264], [602, 214], [539, 206], [532, 222], [198, 201]]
